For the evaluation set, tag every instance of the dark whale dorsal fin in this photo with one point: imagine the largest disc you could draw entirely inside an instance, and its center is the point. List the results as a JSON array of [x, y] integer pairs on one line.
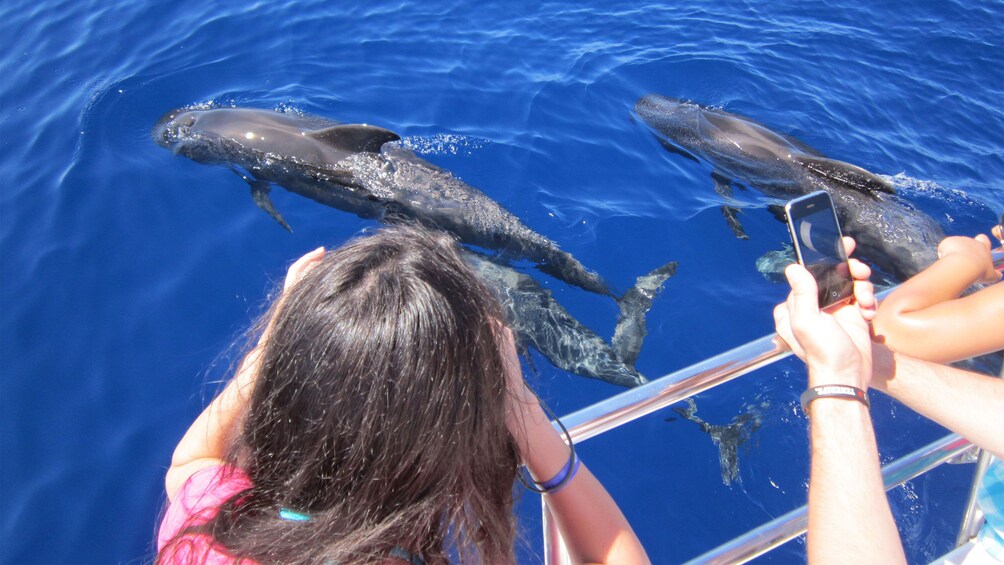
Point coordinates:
[[355, 137], [845, 174]]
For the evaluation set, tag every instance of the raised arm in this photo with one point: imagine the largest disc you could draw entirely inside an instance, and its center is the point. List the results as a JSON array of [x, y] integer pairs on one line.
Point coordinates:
[[926, 318], [207, 439], [849, 516], [591, 524]]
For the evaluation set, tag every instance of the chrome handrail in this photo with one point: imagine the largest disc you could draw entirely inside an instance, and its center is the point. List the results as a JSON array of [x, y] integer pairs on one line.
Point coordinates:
[[684, 383], [680, 385], [764, 538], [674, 387]]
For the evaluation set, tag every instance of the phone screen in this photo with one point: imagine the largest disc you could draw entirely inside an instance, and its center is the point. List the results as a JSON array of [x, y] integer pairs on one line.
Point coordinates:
[[817, 240]]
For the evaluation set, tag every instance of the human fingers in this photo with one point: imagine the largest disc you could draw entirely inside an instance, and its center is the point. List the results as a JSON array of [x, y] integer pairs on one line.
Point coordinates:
[[864, 297], [859, 271], [971, 246], [803, 302], [849, 245], [301, 266], [782, 324], [983, 239]]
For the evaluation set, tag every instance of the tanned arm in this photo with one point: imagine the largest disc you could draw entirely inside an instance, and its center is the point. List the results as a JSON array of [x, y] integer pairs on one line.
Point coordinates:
[[591, 524], [849, 516], [926, 318], [969, 404]]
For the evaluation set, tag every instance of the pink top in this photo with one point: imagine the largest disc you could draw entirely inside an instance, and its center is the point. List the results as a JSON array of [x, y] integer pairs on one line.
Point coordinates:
[[196, 503]]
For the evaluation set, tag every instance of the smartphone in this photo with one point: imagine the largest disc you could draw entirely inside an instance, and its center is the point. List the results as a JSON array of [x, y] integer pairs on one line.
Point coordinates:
[[819, 247]]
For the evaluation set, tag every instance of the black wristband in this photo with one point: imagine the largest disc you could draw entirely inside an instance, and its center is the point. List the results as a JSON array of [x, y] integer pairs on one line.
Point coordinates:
[[837, 391]]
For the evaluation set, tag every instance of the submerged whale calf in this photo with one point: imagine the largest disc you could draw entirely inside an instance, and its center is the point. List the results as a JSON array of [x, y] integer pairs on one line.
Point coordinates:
[[891, 233], [727, 438], [349, 167], [540, 321]]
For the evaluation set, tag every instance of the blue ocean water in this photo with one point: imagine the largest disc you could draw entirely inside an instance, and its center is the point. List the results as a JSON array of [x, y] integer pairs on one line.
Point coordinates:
[[126, 271]]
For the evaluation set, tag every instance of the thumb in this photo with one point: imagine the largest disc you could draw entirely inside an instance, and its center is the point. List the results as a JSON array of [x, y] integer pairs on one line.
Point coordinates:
[[804, 299]]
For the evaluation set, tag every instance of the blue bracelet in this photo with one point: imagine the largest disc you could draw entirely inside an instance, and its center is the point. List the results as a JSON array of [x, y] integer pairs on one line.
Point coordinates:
[[566, 473], [563, 477]]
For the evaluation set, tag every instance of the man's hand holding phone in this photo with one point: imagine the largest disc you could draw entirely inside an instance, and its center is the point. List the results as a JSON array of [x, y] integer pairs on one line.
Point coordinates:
[[835, 344]]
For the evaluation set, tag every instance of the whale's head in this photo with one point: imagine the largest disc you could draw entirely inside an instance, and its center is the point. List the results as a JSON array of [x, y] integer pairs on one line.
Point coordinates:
[[676, 121], [184, 132], [664, 113], [252, 137], [223, 134]]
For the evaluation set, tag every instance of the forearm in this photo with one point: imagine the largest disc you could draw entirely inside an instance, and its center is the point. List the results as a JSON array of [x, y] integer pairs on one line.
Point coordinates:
[[925, 317], [207, 439], [591, 524], [944, 280], [949, 331], [849, 516], [969, 404]]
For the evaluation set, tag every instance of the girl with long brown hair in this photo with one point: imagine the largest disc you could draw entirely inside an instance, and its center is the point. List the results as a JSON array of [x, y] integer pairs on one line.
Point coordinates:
[[382, 417]]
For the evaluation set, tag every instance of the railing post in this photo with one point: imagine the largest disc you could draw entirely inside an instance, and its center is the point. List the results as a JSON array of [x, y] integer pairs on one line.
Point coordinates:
[[972, 519]]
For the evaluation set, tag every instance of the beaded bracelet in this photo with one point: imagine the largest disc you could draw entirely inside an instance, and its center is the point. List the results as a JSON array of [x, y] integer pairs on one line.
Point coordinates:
[[837, 391]]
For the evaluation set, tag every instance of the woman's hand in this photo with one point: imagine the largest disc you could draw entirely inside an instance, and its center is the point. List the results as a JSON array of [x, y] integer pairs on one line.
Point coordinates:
[[835, 345], [974, 250], [300, 267], [294, 274], [205, 443]]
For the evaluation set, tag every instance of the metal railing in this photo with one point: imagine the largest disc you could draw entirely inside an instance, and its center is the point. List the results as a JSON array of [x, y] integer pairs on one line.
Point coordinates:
[[685, 383]]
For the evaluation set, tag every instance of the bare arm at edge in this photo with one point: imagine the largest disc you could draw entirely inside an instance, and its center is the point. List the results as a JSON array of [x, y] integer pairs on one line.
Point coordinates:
[[849, 519], [849, 516], [969, 404], [591, 524], [927, 319]]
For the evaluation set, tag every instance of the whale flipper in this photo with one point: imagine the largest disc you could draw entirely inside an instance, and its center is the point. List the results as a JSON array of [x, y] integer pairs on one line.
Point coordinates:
[[355, 137], [634, 305], [259, 192], [731, 215], [675, 149], [845, 174], [723, 186]]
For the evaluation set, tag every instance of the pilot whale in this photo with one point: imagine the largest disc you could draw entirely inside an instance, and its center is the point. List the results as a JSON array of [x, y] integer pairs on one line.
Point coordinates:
[[727, 438], [890, 232], [538, 320], [353, 168]]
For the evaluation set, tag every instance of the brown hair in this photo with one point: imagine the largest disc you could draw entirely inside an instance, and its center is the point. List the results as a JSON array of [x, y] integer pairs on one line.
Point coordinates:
[[379, 411]]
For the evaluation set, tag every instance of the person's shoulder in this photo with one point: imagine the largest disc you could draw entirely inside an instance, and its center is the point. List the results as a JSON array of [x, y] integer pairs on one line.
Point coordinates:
[[199, 499], [211, 486]]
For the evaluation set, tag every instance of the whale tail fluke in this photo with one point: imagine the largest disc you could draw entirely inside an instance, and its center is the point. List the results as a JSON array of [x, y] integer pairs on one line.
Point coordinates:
[[634, 306]]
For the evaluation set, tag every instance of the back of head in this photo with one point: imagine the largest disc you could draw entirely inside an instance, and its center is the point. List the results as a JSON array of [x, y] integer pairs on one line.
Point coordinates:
[[379, 411]]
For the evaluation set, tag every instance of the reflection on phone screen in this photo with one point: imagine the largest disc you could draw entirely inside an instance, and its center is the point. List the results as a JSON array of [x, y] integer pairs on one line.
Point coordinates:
[[823, 256]]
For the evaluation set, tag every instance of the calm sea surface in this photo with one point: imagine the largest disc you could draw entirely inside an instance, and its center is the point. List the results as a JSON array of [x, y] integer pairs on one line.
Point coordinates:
[[126, 272]]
